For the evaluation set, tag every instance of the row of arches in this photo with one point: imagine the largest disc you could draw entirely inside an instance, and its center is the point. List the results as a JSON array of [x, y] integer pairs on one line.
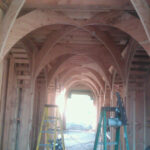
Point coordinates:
[[38, 69]]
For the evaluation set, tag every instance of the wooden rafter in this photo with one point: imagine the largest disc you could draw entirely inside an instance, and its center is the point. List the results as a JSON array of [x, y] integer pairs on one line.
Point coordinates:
[[112, 48], [81, 82], [61, 66], [7, 24], [79, 71], [76, 79], [60, 50], [127, 24], [143, 11]]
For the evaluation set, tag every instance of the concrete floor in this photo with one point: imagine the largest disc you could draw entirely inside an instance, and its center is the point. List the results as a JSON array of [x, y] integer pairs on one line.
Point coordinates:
[[79, 140]]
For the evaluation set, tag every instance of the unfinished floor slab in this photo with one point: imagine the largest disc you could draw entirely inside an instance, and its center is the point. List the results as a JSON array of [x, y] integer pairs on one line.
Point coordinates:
[[79, 140]]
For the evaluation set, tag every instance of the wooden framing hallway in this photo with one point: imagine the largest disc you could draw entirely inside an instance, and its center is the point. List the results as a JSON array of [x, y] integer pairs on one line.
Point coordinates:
[[53, 47]]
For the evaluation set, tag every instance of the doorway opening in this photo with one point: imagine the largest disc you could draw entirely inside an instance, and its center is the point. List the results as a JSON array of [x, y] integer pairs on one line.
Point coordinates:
[[80, 112]]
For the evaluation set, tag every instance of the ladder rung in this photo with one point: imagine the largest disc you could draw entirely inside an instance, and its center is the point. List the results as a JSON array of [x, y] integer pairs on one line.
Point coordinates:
[[44, 145], [51, 121], [52, 118], [109, 143], [48, 105], [52, 131]]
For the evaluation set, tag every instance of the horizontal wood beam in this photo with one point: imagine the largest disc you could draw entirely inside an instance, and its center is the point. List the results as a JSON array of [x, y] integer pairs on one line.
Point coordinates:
[[23, 77], [18, 50], [20, 55], [22, 61]]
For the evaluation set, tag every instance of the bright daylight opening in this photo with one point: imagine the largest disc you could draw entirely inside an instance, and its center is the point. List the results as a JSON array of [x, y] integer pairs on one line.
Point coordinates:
[[80, 113]]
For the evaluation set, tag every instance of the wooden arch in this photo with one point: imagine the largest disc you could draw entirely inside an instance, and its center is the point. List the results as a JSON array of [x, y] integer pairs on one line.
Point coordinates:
[[73, 83], [84, 80], [78, 72], [60, 50], [81, 71], [121, 20], [110, 47], [63, 66]]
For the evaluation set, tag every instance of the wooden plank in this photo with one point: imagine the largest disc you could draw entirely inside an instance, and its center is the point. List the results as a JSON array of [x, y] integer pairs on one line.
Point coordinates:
[[22, 68], [1, 14], [8, 22], [23, 85], [3, 6], [18, 50], [2, 66], [20, 55], [139, 119], [148, 119], [3, 91], [112, 49], [24, 136], [24, 131], [78, 5], [11, 109], [135, 72], [22, 61], [23, 77], [24, 73], [143, 11], [141, 59]]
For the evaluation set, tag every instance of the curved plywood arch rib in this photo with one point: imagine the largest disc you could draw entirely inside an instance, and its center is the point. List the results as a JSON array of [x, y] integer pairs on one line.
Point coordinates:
[[29, 22], [82, 78], [76, 69], [9, 20], [126, 23], [60, 66], [94, 68], [78, 79], [83, 71], [143, 11], [60, 50], [79, 71], [110, 47], [102, 83], [121, 20], [73, 83], [66, 73]]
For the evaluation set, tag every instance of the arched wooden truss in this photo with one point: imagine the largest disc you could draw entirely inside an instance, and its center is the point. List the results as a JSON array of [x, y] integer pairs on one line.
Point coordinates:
[[94, 50]]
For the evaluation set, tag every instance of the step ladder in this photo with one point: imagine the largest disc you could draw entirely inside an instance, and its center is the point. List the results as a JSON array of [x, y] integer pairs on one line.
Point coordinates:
[[51, 130], [114, 123]]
